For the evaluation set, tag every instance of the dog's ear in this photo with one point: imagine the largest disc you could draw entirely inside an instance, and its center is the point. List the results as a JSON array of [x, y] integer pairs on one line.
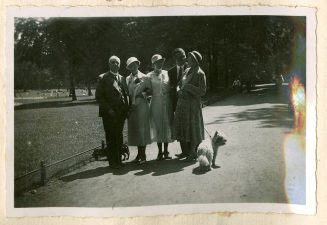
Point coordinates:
[[216, 133]]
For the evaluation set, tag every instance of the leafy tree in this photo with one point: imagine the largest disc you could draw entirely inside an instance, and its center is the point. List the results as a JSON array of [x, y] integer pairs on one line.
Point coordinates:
[[74, 51]]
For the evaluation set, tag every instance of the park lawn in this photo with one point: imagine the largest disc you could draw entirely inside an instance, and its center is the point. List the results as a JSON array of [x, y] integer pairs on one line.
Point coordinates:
[[53, 133]]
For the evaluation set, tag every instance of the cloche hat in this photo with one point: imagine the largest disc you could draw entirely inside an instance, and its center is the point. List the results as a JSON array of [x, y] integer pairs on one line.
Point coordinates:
[[114, 58], [196, 55], [131, 60], [155, 58]]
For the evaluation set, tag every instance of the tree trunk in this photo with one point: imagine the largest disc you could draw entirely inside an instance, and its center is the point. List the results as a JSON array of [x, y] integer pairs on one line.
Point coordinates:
[[89, 89], [72, 92], [210, 78], [215, 75], [226, 72]]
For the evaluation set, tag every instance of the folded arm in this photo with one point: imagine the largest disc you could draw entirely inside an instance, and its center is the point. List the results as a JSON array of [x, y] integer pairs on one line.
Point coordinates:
[[199, 89]]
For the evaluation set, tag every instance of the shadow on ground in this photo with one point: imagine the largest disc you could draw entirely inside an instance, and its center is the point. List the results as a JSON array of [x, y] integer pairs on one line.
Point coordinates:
[[153, 167], [269, 117], [259, 95]]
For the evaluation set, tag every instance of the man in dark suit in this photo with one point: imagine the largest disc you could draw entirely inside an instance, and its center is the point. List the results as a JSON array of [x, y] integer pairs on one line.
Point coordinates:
[[112, 96], [176, 73], [175, 76]]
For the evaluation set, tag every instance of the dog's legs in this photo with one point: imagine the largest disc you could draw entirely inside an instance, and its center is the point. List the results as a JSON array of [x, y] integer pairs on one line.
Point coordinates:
[[210, 162], [215, 152]]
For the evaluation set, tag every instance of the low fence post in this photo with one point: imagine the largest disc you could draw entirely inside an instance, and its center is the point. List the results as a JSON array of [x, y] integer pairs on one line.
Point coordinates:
[[43, 172], [102, 144]]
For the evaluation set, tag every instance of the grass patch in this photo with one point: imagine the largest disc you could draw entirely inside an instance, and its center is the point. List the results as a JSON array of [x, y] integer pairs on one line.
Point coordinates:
[[53, 133]]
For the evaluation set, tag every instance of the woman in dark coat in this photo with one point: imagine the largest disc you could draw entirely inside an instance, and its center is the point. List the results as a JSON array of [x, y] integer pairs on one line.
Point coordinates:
[[188, 121]]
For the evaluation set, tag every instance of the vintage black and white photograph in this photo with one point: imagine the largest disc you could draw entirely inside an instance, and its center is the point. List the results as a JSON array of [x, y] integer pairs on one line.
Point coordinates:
[[180, 109]]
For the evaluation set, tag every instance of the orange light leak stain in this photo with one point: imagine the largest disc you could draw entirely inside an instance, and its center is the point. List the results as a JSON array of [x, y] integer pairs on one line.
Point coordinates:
[[294, 146], [298, 104]]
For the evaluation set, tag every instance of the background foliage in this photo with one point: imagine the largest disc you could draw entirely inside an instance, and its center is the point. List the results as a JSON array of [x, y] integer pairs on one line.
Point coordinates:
[[72, 52]]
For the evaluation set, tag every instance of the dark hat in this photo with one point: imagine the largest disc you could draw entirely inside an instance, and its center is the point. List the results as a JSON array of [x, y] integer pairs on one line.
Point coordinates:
[[179, 51], [196, 55]]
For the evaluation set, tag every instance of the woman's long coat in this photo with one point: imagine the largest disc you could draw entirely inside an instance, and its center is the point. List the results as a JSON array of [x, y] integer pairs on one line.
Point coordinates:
[[188, 121], [160, 108], [138, 119]]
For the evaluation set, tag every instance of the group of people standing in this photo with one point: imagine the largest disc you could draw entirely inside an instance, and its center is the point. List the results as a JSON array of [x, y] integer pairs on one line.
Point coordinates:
[[161, 106]]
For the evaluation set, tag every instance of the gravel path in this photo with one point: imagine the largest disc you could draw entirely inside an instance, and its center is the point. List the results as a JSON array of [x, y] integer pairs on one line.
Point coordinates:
[[252, 166]]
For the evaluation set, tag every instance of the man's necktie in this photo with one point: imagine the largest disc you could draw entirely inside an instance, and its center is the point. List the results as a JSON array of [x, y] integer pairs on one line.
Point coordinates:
[[121, 91], [180, 73]]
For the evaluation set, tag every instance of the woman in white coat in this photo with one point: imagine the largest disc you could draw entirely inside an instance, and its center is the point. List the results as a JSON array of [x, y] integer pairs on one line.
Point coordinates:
[[138, 119], [160, 108]]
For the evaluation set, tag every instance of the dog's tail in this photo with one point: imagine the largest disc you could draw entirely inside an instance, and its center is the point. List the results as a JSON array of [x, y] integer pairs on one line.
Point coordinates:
[[203, 161]]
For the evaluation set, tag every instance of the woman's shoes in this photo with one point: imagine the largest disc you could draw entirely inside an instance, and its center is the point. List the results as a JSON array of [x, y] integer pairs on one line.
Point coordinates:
[[160, 157], [163, 156], [136, 160], [139, 160], [166, 155], [181, 155]]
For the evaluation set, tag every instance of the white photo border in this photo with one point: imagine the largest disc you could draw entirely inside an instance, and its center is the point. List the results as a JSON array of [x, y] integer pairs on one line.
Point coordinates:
[[85, 11]]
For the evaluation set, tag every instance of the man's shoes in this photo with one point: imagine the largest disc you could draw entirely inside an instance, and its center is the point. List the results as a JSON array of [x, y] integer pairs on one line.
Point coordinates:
[[181, 155], [116, 167]]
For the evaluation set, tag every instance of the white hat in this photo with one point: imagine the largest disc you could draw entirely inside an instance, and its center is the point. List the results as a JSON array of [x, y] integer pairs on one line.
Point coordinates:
[[155, 58], [112, 58], [131, 60]]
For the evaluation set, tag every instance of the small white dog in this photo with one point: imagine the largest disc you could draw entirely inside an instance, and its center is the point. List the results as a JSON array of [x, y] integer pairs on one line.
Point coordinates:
[[208, 149]]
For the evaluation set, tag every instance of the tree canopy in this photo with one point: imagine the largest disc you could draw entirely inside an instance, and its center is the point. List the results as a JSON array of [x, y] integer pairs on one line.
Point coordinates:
[[68, 52]]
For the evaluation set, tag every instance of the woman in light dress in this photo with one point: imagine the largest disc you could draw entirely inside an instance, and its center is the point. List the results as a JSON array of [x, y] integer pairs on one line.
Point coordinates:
[[160, 108], [188, 121], [139, 116]]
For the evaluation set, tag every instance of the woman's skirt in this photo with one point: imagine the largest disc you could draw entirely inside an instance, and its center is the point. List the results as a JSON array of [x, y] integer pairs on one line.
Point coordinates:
[[139, 123], [188, 122]]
